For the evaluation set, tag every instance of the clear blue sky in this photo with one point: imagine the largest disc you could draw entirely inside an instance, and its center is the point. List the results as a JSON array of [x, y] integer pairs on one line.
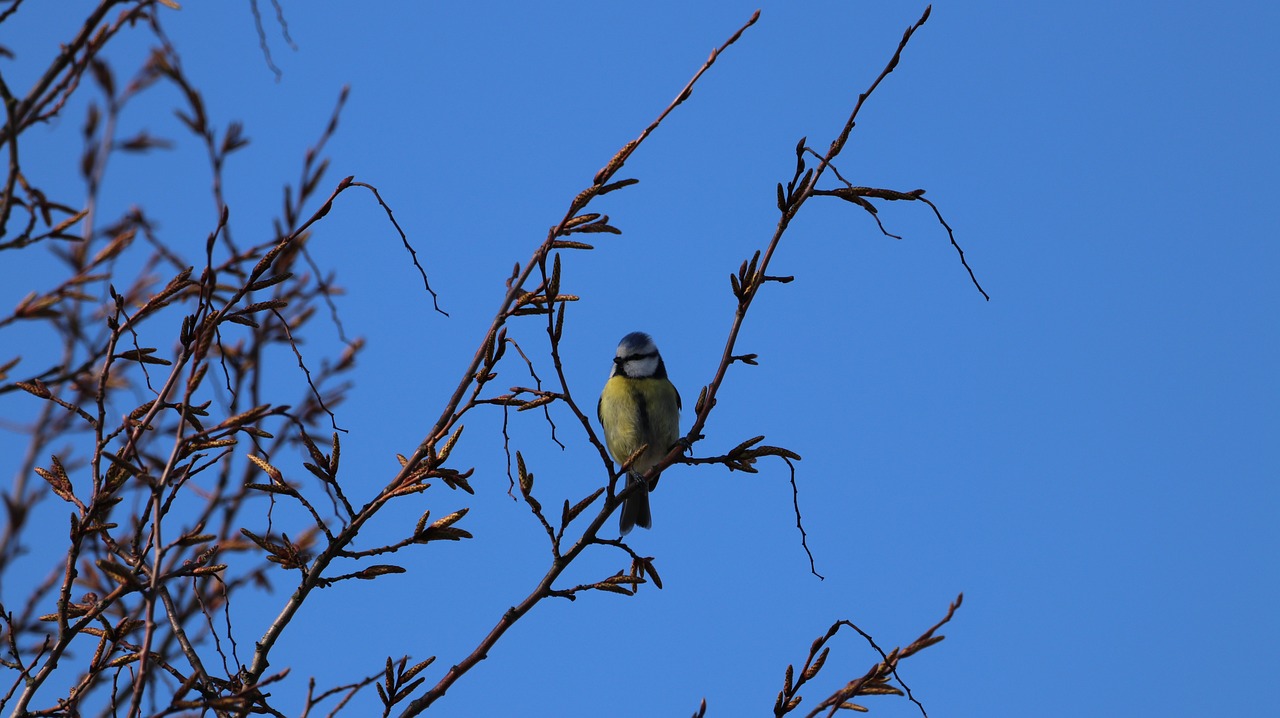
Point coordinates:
[[1091, 457]]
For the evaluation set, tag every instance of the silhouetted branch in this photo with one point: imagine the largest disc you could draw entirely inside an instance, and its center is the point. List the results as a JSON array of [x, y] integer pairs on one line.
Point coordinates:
[[875, 681], [180, 491]]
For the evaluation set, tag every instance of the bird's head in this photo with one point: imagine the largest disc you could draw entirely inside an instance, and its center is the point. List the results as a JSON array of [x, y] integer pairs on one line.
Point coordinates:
[[637, 357]]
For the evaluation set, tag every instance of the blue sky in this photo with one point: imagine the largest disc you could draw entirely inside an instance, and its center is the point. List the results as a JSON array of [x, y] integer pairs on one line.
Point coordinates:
[[1091, 456]]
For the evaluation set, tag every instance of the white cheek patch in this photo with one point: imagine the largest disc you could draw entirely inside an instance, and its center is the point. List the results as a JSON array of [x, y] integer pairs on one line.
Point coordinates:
[[647, 366]]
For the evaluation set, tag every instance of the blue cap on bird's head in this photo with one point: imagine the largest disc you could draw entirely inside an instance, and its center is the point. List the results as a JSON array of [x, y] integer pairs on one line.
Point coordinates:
[[636, 343]]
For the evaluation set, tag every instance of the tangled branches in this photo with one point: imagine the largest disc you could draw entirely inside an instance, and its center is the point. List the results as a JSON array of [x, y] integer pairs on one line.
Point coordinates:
[[156, 427]]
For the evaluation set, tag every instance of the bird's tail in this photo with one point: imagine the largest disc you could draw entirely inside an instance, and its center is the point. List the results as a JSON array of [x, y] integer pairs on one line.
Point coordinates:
[[635, 509]]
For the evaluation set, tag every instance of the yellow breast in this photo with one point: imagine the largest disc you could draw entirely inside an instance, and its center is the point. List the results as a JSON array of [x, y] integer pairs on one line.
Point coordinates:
[[635, 412]]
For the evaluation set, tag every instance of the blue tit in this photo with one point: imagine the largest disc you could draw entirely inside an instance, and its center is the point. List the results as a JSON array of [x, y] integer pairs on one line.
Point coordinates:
[[639, 406]]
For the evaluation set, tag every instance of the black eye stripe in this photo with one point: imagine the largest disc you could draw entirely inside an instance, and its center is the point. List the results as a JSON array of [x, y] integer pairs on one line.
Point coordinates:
[[637, 357]]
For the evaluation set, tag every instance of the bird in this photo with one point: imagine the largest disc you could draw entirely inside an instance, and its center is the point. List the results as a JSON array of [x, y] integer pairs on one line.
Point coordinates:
[[639, 406]]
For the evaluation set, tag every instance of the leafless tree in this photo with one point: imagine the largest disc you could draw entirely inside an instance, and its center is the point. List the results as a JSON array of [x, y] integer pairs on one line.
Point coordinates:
[[168, 441]]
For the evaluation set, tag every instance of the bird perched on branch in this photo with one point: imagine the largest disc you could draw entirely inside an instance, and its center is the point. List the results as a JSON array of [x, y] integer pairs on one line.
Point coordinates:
[[639, 406]]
